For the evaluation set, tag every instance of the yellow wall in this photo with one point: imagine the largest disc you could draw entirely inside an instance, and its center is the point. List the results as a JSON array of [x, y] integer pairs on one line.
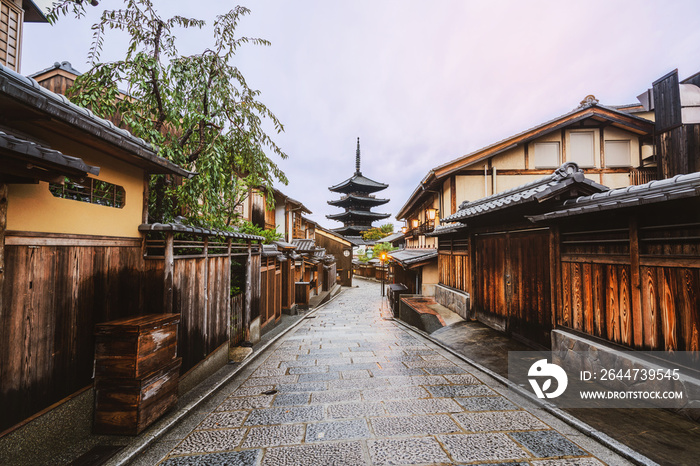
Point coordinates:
[[471, 188], [616, 134], [513, 159], [34, 208], [430, 278]]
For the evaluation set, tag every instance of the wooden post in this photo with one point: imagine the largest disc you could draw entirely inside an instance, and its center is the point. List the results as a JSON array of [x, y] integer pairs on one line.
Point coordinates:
[[168, 273], [146, 188], [228, 288], [555, 273], [205, 290], [637, 317], [3, 227], [248, 292]]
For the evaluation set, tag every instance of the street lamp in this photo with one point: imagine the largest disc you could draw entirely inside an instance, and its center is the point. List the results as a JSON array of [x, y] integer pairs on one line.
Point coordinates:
[[382, 258]]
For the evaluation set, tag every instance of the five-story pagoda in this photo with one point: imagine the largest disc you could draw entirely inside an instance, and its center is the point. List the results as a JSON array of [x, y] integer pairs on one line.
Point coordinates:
[[357, 200]]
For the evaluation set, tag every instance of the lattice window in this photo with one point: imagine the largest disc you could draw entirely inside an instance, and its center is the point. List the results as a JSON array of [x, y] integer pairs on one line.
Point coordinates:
[[91, 191], [10, 29]]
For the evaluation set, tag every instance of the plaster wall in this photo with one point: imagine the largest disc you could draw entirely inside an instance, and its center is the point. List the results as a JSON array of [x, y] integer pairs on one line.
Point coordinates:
[[32, 207]]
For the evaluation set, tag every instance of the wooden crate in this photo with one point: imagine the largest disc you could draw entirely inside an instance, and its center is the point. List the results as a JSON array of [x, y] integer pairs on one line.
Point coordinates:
[[134, 347], [301, 294], [126, 406]]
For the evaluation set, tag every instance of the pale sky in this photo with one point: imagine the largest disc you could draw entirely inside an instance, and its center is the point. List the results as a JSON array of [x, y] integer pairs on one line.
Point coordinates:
[[420, 82]]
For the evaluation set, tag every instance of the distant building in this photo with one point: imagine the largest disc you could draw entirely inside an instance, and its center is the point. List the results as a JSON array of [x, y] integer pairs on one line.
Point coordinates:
[[357, 200], [13, 14]]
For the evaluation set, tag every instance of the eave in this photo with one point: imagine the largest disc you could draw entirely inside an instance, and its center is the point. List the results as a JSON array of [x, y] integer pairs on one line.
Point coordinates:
[[358, 214], [34, 109], [598, 112]]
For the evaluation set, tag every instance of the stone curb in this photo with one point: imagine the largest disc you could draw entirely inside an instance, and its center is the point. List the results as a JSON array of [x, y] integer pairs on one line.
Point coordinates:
[[133, 449], [607, 441]]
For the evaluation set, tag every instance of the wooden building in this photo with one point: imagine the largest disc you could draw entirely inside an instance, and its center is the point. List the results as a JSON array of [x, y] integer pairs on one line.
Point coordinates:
[[340, 248], [358, 200], [501, 261], [76, 250], [13, 15], [612, 145], [70, 249], [626, 264], [676, 106]]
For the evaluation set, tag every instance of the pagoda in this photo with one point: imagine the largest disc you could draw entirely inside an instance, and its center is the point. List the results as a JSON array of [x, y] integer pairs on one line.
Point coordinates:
[[357, 200]]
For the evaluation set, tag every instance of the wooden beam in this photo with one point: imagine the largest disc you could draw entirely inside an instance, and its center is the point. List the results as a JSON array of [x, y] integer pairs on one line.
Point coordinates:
[[602, 153], [526, 149], [636, 285], [228, 288], [554, 272], [453, 194], [3, 227], [563, 146], [248, 292], [204, 283], [146, 188], [168, 273]]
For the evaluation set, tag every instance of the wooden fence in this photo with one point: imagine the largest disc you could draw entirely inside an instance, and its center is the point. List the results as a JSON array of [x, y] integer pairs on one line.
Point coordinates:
[[638, 286], [55, 288], [270, 291]]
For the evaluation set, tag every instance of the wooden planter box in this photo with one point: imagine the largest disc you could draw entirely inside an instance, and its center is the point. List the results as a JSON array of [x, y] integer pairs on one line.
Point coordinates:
[[126, 406], [301, 295], [136, 372], [135, 346]]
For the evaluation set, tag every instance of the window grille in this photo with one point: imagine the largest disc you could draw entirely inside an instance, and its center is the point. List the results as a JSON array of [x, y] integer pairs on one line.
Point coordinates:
[[91, 191]]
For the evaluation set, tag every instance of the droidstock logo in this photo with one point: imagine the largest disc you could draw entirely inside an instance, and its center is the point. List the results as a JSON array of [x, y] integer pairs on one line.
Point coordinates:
[[542, 369]]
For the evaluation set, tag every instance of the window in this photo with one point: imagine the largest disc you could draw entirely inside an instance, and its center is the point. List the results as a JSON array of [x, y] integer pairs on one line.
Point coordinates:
[[617, 154], [582, 148], [546, 155], [91, 191]]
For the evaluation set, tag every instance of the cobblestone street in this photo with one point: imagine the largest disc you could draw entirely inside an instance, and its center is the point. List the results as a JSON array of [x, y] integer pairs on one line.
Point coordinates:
[[347, 387]]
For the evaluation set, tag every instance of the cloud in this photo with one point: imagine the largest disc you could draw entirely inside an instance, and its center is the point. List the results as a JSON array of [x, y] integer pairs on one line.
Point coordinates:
[[421, 83]]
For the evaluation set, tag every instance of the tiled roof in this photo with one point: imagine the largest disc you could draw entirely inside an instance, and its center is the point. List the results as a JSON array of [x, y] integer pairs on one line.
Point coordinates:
[[390, 238], [358, 213], [413, 256], [537, 190], [43, 156], [270, 250], [360, 182], [680, 186], [446, 229], [304, 245], [58, 107], [359, 241], [65, 66], [180, 228]]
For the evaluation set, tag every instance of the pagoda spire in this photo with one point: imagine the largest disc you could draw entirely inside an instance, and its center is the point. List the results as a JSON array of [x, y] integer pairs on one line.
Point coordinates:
[[357, 159]]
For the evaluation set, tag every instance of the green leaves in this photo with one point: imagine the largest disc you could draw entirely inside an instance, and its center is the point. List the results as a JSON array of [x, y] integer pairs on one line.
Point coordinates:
[[198, 110]]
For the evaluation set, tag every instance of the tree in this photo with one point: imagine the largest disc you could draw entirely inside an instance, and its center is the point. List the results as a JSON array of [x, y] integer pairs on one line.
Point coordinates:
[[197, 110], [378, 233]]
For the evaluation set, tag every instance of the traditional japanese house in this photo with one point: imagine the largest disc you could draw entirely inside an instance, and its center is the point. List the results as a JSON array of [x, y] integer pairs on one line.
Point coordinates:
[[70, 249], [13, 14], [501, 261], [341, 249], [626, 264], [76, 249], [358, 200], [613, 146]]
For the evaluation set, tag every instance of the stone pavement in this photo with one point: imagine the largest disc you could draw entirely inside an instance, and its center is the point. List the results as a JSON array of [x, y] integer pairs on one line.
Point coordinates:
[[348, 387]]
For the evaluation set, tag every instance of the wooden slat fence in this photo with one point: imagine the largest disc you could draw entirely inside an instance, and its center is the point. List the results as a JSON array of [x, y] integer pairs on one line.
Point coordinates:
[[55, 291], [638, 287]]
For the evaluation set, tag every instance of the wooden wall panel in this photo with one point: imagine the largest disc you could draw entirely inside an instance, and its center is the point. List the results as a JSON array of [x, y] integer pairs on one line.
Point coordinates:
[[52, 298]]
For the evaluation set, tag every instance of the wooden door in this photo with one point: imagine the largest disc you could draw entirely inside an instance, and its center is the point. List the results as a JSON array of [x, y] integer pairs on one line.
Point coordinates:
[[512, 289]]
